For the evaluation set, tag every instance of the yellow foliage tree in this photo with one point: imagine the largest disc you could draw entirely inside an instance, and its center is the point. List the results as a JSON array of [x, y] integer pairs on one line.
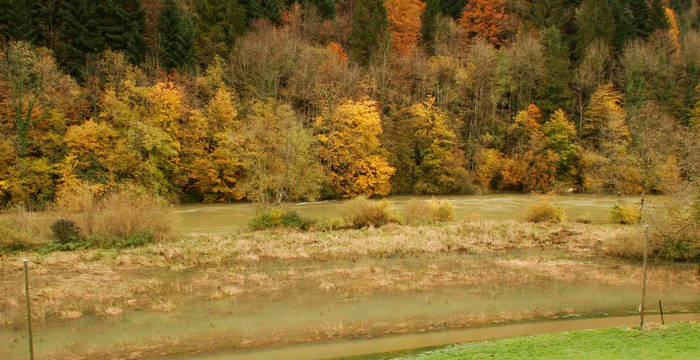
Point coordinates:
[[404, 23], [350, 149], [488, 165]]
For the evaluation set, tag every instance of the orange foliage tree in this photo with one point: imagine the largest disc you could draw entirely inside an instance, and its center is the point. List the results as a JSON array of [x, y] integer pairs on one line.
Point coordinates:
[[486, 19], [404, 23]]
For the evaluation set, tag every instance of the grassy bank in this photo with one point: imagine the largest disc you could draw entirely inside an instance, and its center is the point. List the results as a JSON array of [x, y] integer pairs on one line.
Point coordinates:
[[673, 341]]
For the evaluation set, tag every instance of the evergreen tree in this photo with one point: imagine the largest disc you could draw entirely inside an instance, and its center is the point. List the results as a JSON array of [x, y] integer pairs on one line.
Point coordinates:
[[77, 34], [218, 23], [369, 29], [452, 8], [657, 16], [596, 21], [640, 11], [625, 24], [325, 7], [176, 37], [121, 27], [269, 9], [18, 20], [555, 92]]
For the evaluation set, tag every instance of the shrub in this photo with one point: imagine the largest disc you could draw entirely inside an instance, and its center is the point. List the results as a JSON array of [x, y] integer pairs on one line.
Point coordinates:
[[545, 211], [65, 231], [428, 212], [22, 230], [362, 212], [13, 238], [625, 214], [276, 217], [675, 225], [126, 216], [330, 224]]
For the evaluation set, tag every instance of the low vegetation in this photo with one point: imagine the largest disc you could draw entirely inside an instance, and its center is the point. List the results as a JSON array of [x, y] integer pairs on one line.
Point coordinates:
[[545, 212], [672, 341], [271, 218], [362, 212], [625, 214], [428, 212]]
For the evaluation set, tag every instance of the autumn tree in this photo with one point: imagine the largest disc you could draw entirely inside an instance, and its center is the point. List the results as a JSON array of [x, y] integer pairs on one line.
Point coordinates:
[[277, 155], [425, 152], [486, 19], [561, 139], [606, 165], [351, 153], [404, 18]]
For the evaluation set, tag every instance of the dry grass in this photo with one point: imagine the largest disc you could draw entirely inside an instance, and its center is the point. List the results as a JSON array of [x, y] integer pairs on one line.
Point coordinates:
[[123, 212], [428, 212]]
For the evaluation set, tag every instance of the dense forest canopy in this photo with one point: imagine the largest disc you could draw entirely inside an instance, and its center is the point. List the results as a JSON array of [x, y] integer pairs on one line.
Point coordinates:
[[272, 100]]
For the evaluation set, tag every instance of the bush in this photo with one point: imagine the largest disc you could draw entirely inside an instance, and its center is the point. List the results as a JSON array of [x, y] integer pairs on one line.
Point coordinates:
[[545, 211], [126, 216], [65, 231], [13, 238], [276, 217], [625, 214], [362, 212], [330, 224], [22, 230], [428, 212], [675, 225]]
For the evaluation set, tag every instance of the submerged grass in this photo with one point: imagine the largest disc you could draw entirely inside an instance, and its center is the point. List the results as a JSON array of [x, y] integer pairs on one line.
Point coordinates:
[[673, 341]]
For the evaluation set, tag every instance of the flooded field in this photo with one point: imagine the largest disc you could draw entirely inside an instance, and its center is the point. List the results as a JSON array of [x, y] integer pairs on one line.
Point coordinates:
[[368, 298], [226, 218], [217, 292]]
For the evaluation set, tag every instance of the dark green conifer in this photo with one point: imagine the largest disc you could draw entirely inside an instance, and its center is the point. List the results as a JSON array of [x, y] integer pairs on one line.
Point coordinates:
[[640, 11], [326, 8], [218, 23], [18, 20], [176, 37], [369, 30], [77, 34], [657, 16]]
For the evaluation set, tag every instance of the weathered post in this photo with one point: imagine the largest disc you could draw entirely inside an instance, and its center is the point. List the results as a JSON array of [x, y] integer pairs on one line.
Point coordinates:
[[661, 311], [29, 314], [644, 278]]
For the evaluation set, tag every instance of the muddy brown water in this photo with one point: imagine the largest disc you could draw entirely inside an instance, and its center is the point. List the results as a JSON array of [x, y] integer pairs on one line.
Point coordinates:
[[237, 322], [361, 349], [226, 218]]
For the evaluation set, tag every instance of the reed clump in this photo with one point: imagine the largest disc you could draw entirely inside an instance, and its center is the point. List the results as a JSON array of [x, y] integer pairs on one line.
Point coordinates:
[[428, 212], [362, 212], [545, 212]]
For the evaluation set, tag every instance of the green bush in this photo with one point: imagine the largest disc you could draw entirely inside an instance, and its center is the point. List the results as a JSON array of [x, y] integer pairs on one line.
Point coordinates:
[[276, 217], [330, 224], [625, 214], [428, 212], [362, 212], [545, 211], [122, 242], [65, 231]]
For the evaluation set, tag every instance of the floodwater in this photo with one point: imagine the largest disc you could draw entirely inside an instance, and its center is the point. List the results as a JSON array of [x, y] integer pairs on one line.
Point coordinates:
[[227, 218], [228, 326], [390, 346]]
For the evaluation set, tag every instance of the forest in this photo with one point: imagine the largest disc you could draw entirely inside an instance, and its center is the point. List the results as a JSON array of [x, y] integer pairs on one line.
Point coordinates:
[[278, 100]]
